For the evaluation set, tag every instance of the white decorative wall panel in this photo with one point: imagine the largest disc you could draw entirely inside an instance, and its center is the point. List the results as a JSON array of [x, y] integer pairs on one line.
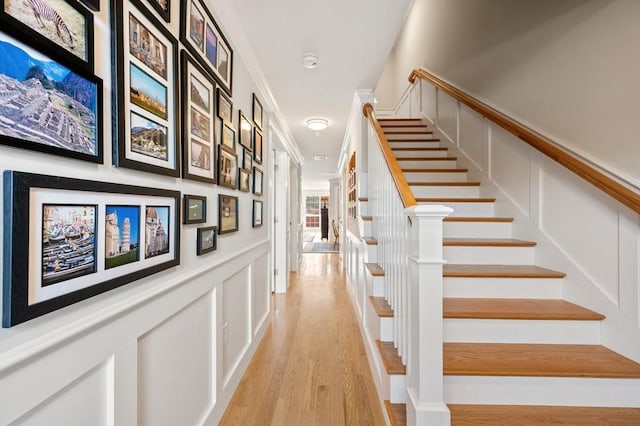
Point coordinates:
[[260, 293], [236, 317], [176, 365], [429, 101], [448, 116], [473, 136]]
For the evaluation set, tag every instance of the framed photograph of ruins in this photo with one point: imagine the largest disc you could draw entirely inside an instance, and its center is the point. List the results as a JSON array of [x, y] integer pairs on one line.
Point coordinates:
[[198, 122], [201, 35], [145, 82], [70, 239], [61, 28], [46, 106]]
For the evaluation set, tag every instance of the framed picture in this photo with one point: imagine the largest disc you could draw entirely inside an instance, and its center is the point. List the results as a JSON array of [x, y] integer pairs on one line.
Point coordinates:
[[61, 28], [228, 136], [201, 35], [61, 248], [247, 162], [207, 240], [257, 112], [227, 214], [257, 145], [228, 168], [145, 123], [257, 213], [245, 131], [257, 181], [65, 117], [245, 180], [194, 209], [225, 107], [198, 122], [163, 7], [92, 4]]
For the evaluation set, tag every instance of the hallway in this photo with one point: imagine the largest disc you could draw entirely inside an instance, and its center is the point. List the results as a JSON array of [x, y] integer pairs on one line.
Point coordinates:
[[311, 367]]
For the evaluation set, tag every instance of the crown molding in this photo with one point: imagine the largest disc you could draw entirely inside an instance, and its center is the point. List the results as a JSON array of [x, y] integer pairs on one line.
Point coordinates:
[[361, 97]]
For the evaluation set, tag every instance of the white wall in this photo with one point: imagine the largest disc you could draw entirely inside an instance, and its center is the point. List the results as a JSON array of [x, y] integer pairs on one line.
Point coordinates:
[[167, 349], [566, 67]]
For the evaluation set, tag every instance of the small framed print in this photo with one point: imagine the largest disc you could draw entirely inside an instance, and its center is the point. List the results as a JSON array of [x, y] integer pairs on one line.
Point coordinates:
[[257, 112], [228, 168], [227, 214], [257, 213], [257, 145], [163, 7], [257, 181], [225, 107], [245, 131], [207, 240], [245, 180], [228, 136], [247, 162], [194, 209]]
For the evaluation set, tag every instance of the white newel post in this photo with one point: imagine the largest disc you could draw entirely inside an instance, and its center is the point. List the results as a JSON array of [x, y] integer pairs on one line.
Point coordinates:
[[425, 389]]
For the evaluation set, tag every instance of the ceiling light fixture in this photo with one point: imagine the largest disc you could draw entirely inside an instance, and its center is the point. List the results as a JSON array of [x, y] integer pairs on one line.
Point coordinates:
[[317, 124], [320, 157], [310, 60]]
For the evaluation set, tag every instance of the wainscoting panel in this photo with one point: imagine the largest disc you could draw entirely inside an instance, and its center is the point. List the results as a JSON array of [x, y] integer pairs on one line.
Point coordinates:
[[448, 116], [260, 292], [429, 102], [236, 321], [473, 137]]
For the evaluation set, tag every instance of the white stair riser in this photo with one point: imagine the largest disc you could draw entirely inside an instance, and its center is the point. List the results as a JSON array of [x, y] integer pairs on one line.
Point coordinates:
[[435, 177], [362, 208], [434, 164], [399, 122], [542, 391], [522, 331], [375, 286], [464, 209], [365, 227], [445, 191], [373, 322], [372, 253], [410, 128], [477, 229], [421, 144], [508, 288], [478, 255], [421, 154], [405, 136], [398, 389], [386, 329]]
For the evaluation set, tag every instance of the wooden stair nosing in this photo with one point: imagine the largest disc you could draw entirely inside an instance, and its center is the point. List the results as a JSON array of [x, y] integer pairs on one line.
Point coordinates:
[[399, 119], [367, 218], [517, 309], [374, 269], [437, 149], [443, 183], [477, 219], [402, 125], [498, 271], [390, 358], [370, 241], [397, 413], [381, 307], [363, 199], [537, 360], [455, 200], [426, 159], [414, 140], [410, 170], [486, 242], [408, 132]]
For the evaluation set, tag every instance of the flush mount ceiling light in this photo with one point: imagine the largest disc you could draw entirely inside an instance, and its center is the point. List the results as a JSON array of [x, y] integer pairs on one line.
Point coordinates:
[[320, 157], [317, 124], [310, 60]]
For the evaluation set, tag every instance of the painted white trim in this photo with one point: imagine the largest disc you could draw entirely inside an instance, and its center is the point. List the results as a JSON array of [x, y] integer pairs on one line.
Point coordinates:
[[359, 98]]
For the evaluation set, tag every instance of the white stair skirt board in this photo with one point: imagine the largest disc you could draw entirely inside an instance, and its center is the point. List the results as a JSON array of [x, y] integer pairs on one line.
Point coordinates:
[[466, 209], [445, 191], [570, 391], [440, 163], [421, 144], [522, 331], [436, 176], [506, 288], [420, 154], [477, 229], [479, 255]]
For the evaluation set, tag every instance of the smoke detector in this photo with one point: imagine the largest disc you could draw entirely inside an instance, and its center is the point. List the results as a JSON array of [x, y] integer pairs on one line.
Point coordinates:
[[310, 60]]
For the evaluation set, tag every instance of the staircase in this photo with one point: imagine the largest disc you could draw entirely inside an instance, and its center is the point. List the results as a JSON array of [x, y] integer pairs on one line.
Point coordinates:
[[515, 353]]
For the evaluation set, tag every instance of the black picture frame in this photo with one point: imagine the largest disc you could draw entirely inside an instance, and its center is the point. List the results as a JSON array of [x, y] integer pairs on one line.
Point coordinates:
[[247, 159], [257, 213], [258, 183], [245, 131], [228, 136], [225, 107], [34, 285], [227, 214], [199, 156], [244, 180], [207, 240], [84, 139], [67, 39], [147, 52], [194, 209], [92, 4], [258, 112], [227, 167], [164, 12], [202, 36], [257, 145]]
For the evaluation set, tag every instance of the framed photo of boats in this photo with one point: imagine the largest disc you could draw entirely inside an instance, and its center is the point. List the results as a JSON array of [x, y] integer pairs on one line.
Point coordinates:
[[61, 249]]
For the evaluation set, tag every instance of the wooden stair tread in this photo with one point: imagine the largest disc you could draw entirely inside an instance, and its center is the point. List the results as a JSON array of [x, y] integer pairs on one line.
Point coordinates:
[[414, 140], [419, 149], [370, 241], [540, 415], [486, 242], [381, 307], [536, 360], [375, 269], [455, 200], [397, 413], [408, 132], [443, 183], [477, 219], [435, 170], [427, 158], [399, 119], [390, 358], [367, 218], [363, 199], [518, 309], [392, 125], [499, 271]]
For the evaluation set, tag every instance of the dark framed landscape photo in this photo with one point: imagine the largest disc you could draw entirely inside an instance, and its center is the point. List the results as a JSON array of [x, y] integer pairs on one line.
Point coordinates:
[[257, 112], [207, 240], [202, 37], [195, 209], [61, 249], [245, 131], [64, 116], [198, 122], [257, 213], [62, 28], [227, 213], [225, 107], [245, 180], [163, 7], [257, 145], [145, 121], [257, 181], [228, 168]]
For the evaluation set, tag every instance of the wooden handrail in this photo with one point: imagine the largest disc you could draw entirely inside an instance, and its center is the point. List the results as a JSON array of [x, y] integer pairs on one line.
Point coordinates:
[[402, 186], [613, 188]]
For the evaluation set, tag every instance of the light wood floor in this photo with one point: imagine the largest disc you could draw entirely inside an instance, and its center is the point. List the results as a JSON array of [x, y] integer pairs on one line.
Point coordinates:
[[311, 367]]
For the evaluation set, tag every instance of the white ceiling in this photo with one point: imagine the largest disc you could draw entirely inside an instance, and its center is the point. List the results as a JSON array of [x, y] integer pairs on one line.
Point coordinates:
[[352, 39]]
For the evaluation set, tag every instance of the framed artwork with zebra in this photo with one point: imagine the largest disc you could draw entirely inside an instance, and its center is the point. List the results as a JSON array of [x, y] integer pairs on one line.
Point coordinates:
[[62, 28]]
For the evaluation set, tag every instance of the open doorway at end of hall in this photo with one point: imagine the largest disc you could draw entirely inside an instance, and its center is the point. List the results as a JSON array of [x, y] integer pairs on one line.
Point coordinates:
[[318, 236]]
